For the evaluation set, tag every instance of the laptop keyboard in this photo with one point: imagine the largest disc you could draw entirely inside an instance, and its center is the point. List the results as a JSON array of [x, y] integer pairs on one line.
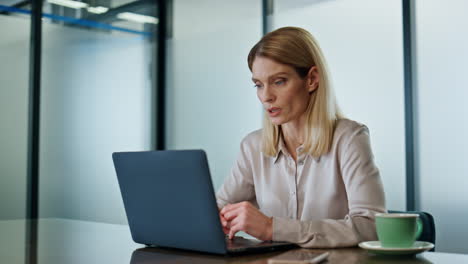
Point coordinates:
[[239, 243]]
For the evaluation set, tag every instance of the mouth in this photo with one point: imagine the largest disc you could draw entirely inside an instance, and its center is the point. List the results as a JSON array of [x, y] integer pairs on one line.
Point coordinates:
[[274, 111]]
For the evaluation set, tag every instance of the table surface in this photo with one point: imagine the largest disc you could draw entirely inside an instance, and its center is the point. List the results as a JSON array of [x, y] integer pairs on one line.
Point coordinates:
[[71, 241]]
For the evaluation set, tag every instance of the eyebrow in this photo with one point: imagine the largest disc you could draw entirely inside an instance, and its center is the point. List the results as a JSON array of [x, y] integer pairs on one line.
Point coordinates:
[[271, 76]]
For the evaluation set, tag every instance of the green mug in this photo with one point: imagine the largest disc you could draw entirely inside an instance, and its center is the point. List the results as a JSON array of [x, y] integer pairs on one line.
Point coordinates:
[[398, 230]]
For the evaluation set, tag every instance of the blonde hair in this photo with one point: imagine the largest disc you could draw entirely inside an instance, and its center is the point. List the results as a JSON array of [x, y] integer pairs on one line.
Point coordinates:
[[297, 48]]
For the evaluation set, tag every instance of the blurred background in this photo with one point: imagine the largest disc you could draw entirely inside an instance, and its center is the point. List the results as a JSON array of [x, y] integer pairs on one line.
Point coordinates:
[[121, 75]]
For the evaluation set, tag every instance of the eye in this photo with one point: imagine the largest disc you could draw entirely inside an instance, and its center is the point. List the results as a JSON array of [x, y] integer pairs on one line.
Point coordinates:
[[280, 81], [258, 86]]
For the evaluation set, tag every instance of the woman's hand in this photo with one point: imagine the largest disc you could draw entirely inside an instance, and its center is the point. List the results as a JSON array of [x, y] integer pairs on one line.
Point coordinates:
[[245, 217], [224, 223]]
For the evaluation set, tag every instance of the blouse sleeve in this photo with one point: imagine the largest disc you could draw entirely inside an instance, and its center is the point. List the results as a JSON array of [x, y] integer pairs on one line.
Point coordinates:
[[365, 198], [238, 186]]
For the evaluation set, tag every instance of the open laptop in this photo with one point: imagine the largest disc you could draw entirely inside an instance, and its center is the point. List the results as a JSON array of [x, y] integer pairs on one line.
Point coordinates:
[[170, 202]]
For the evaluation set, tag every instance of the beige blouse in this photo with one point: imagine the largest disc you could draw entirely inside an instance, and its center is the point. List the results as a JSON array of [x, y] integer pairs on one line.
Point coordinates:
[[322, 202]]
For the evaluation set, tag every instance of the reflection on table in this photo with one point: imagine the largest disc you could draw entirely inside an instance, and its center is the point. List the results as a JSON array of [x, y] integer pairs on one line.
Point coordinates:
[[351, 256], [50, 241]]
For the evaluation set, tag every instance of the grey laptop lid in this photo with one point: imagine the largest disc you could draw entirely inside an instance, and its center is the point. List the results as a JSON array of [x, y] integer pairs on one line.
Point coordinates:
[[170, 201]]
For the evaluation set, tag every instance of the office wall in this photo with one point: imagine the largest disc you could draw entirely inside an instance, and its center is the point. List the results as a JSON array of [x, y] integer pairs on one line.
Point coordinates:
[[441, 108], [14, 91], [362, 41], [96, 99], [211, 102]]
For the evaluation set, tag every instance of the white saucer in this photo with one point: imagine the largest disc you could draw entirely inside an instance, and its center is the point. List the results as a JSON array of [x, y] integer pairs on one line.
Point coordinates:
[[376, 247]]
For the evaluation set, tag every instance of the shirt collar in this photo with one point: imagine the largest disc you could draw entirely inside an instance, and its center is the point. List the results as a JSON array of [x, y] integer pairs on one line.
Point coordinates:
[[282, 150]]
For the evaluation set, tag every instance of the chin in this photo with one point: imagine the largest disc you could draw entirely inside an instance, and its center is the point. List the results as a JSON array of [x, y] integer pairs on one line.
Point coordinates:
[[277, 122]]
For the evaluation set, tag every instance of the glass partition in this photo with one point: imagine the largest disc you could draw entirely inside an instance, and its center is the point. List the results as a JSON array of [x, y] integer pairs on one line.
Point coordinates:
[[15, 25], [362, 41], [97, 93], [442, 145], [211, 102]]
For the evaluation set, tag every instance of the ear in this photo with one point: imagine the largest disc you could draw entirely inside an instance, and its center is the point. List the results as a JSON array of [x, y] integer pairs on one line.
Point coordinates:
[[313, 79]]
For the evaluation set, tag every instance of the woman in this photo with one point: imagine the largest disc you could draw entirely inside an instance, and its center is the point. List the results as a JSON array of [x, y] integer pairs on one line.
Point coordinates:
[[308, 176]]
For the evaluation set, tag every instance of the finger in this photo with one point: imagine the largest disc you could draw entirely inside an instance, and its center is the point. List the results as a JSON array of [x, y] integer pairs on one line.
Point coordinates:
[[232, 233], [226, 207], [235, 227], [223, 222], [225, 226], [222, 219], [226, 230], [232, 214], [230, 207]]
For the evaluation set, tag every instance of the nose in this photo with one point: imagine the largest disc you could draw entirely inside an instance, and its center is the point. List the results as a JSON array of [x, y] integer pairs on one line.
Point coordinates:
[[265, 95]]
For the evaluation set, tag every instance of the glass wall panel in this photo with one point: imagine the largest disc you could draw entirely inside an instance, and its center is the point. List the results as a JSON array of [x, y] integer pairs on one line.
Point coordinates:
[[15, 24], [442, 62], [362, 41], [211, 101], [14, 75], [97, 98]]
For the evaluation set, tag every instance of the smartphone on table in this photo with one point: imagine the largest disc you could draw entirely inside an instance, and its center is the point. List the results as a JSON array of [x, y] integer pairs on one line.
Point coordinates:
[[302, 256]]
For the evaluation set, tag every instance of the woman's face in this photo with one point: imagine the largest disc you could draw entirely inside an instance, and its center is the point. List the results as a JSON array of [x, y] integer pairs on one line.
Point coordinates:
[[282, 92]]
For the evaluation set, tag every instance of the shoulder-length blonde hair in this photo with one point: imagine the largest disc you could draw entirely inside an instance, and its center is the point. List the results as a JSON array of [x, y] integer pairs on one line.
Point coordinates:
[[297, 48]]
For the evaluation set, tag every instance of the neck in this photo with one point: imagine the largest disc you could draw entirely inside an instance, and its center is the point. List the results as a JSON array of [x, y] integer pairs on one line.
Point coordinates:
[[292, 137], [293, 134]]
